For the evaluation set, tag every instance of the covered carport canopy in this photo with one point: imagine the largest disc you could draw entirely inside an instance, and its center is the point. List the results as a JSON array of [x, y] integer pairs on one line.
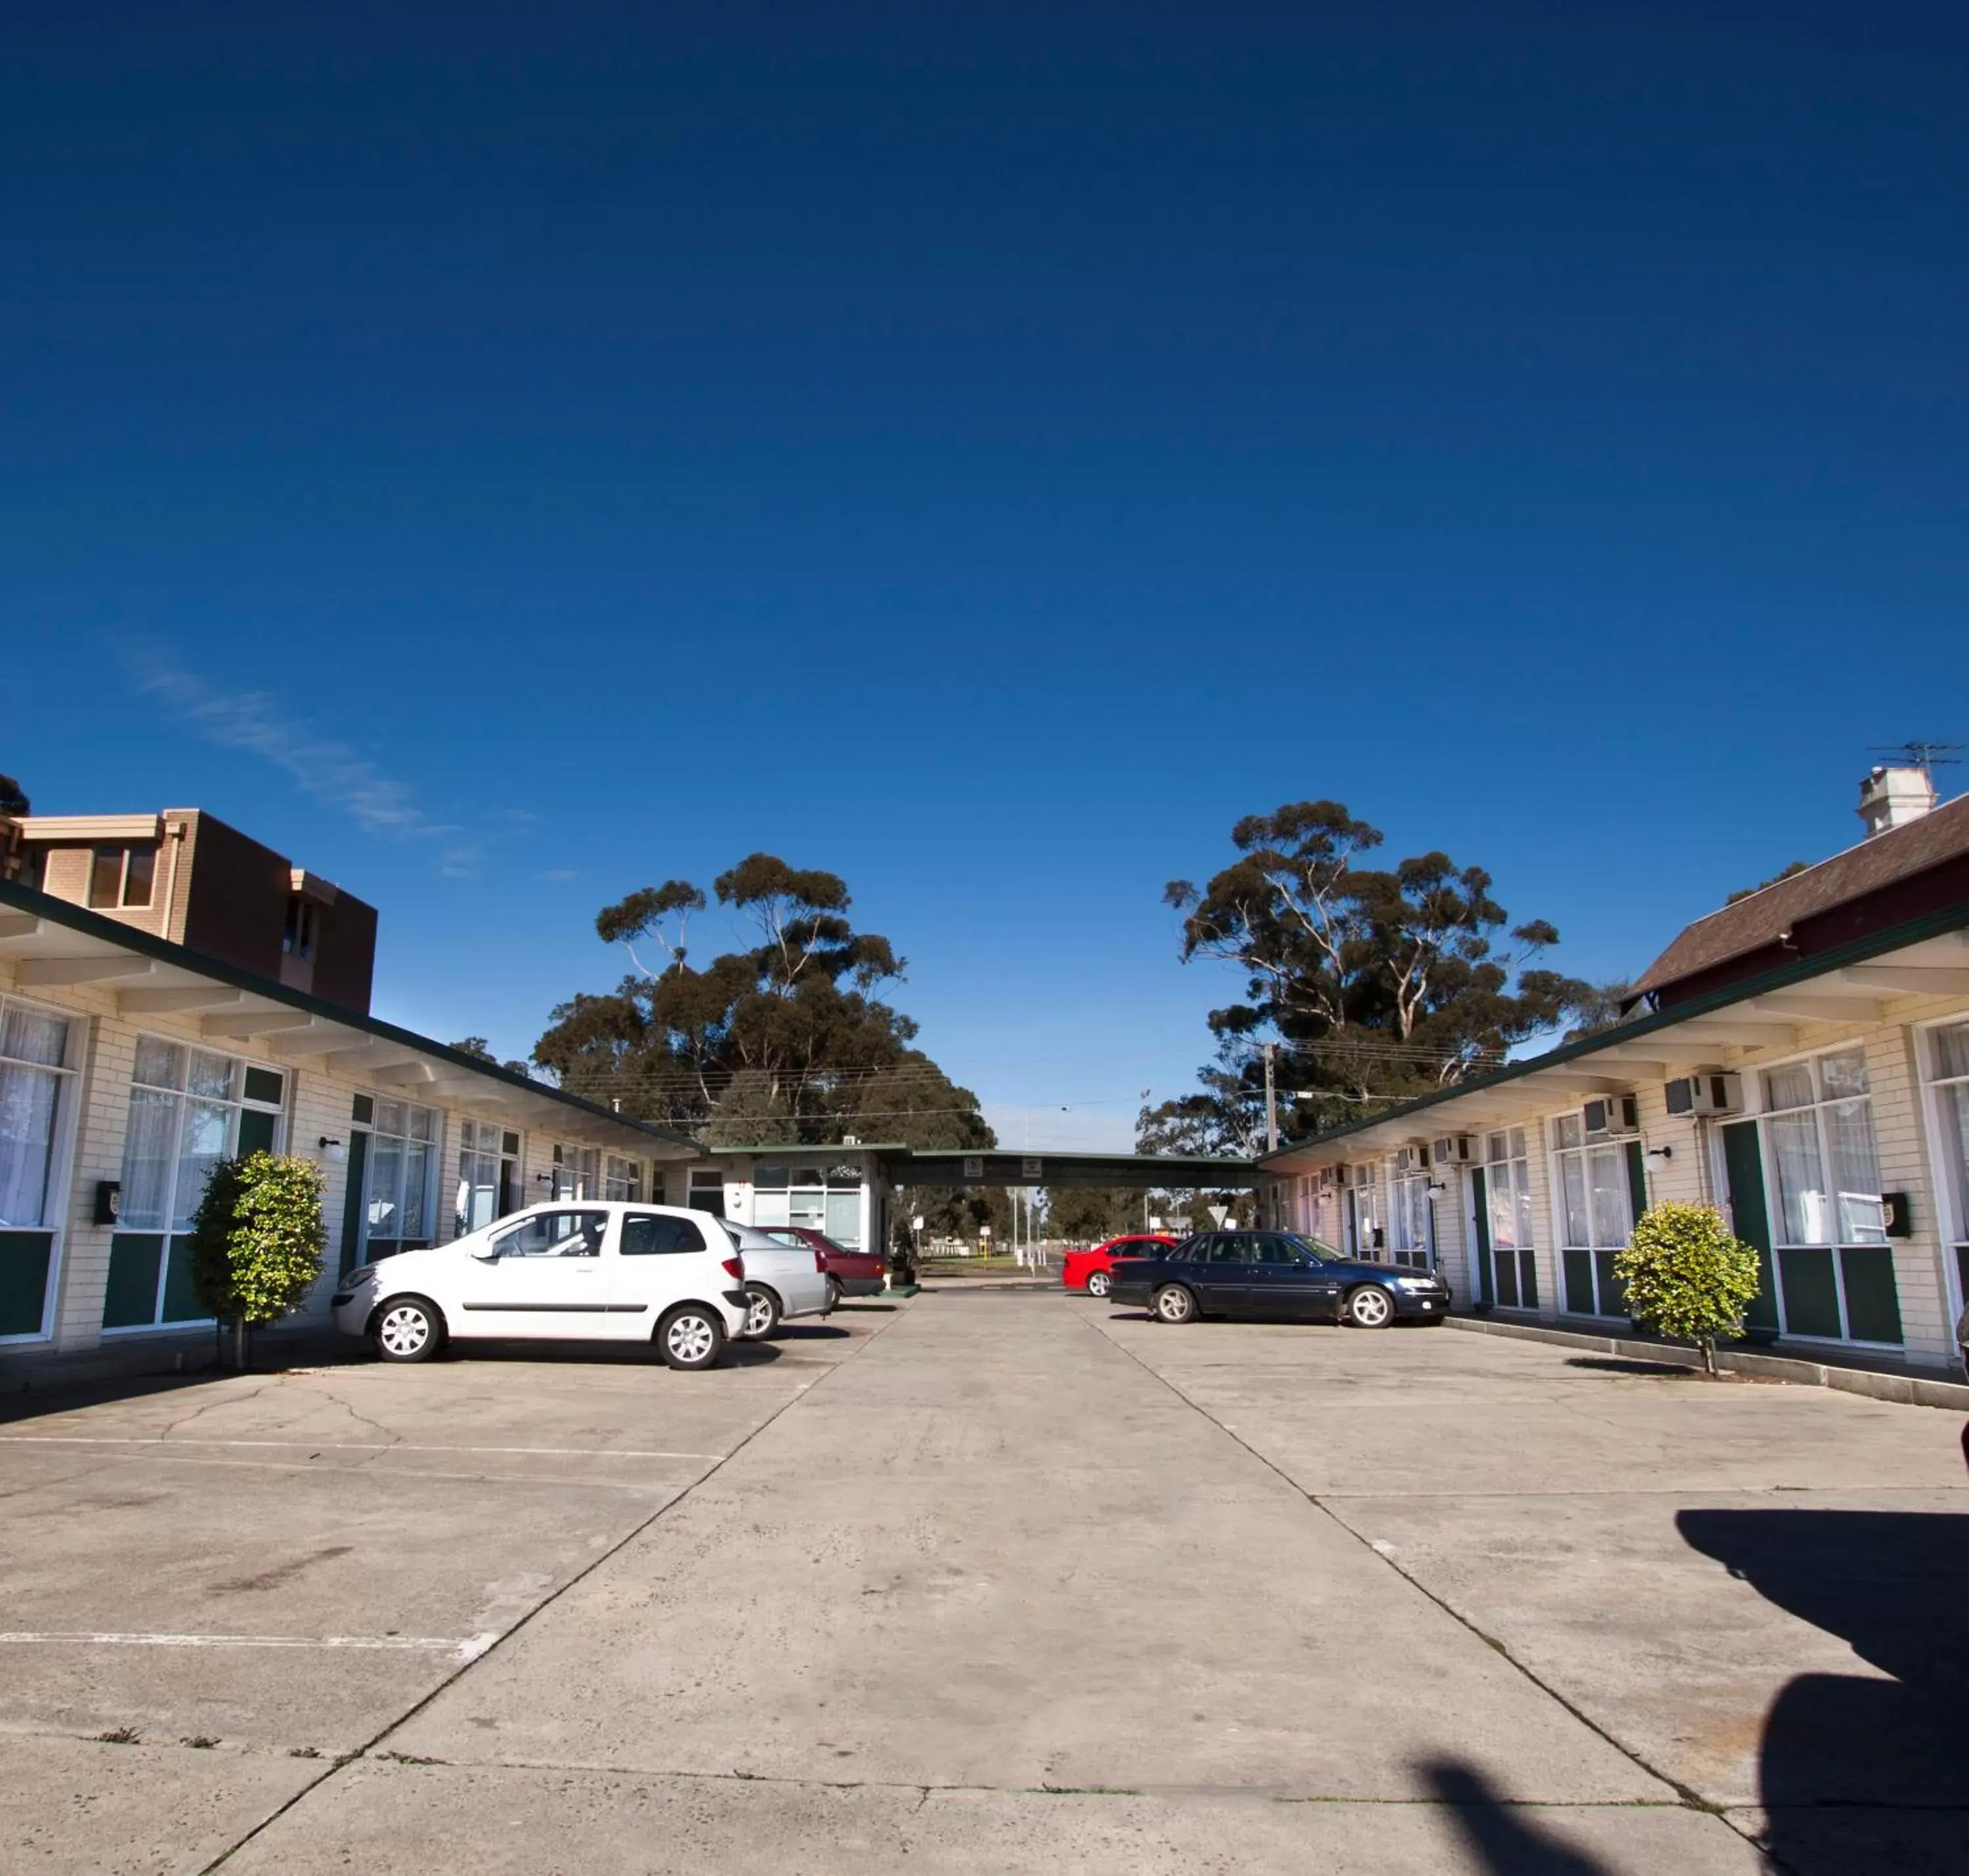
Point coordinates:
[[1141, 1172]]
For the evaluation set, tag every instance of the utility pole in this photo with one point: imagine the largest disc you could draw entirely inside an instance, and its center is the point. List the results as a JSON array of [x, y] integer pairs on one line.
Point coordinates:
[[1271, 1100]]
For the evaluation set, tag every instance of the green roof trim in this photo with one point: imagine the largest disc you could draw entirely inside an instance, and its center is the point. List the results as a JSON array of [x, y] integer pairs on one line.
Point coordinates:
[[1856, 951], [182, 957]]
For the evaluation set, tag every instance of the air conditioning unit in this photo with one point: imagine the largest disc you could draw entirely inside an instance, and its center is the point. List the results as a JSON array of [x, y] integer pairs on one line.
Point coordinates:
[[1611, 1113], [1456, 1150], [1409, 1158], [1711, 1093], [1326, 1179]]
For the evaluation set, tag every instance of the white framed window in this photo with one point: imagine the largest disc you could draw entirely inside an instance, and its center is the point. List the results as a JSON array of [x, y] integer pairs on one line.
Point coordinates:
[[1945, 1067], [122, 877], [1599, 1190], [577, 1172], [826, 1198], [488, 1175], [38, 1069], [706, 1191], [189, 1108], [1835, 1268], [1512, 1262], [1411, 1229], [399, 1177], [622, 1178], [1362, 1218]]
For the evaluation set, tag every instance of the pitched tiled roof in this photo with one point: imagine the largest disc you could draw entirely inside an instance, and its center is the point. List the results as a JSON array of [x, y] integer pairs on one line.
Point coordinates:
[[1765, 917]]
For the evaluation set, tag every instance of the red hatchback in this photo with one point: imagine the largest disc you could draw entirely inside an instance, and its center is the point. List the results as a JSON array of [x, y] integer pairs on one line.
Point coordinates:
[[848, 1273], [1090, 1269]]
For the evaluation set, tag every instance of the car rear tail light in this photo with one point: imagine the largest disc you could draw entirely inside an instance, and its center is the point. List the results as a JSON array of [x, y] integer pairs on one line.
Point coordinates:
[[819, 1264], [734, 1268]]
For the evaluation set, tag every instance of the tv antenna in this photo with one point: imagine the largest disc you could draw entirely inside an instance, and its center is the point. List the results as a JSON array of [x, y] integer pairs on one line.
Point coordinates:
[[1918, 754]]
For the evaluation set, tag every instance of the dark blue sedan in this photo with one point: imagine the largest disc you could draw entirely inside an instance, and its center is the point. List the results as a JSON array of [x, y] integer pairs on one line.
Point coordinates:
[[1276, 1273]]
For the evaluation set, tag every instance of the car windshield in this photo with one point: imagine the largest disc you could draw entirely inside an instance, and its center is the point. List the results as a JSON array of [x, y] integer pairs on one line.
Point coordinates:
[[1313, 1247]]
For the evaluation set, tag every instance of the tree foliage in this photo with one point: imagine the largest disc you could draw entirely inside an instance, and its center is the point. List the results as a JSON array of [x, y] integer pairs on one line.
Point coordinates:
[[258, 1238], [783, 1040], [1745, 892], [1687, 1276], [479, 1046], [1379, 983], [13, 797]]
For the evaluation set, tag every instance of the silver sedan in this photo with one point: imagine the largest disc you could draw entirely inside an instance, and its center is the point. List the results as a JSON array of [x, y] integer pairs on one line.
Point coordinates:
[[781, 1280]]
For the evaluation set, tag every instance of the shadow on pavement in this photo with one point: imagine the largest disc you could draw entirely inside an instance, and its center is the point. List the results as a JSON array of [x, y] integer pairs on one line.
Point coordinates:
[[1857, 1772], [1614, 1364], [1504, 1838]]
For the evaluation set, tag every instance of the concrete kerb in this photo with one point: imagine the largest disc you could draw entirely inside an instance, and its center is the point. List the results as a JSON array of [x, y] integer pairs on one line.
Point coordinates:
[[1909, 1390]]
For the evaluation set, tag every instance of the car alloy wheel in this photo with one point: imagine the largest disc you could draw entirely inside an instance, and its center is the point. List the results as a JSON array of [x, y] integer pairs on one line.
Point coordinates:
[[406, 1332], [691, 1338], [1174, 1303], [762, 1314], [833, 1297], [1370, 1307], [1098, 1284]]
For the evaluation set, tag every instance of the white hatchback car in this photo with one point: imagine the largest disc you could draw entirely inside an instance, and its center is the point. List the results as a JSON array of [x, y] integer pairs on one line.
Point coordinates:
[[571, 1270]]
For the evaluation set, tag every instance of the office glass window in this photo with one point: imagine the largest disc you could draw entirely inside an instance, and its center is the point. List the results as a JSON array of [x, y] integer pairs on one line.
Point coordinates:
[[189, 1108], [37, 1080], [1834, 1266], [823, 1199]]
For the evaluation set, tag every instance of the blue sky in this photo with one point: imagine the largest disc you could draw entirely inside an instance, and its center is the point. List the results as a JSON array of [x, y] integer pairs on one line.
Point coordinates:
[[507, 456]]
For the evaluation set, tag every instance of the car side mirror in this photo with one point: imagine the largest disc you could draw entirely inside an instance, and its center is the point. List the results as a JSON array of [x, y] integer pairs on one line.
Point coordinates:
[[487, 1253]]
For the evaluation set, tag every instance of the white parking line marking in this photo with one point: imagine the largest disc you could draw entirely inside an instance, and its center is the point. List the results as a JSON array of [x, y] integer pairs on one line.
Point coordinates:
[[335, 1446], [469, 1649]]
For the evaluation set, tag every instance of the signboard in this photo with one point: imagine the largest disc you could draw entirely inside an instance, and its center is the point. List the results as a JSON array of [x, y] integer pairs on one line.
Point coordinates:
[[974, 1166], [1029, 1168]]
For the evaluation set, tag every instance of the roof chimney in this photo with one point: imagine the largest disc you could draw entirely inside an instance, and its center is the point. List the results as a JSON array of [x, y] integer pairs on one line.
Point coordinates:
[[1892, 797]]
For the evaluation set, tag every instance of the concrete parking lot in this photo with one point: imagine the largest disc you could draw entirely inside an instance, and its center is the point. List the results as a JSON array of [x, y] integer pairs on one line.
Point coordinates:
[[986, 1581]]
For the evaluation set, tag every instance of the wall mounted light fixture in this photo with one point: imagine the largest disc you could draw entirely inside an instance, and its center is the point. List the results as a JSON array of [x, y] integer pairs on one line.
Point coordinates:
[[333, 1150], [1661, 1153]]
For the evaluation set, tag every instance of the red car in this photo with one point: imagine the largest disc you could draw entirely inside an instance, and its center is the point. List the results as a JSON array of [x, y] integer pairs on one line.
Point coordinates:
[[848, 1273], [1090, 1269]]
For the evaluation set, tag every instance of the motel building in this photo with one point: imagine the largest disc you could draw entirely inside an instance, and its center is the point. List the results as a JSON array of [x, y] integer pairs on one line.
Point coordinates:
[[172, 993], [1799, 1058]]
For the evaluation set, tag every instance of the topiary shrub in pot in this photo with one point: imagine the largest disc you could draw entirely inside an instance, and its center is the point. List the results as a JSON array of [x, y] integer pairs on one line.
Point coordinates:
[[257, 1240], [1688, 1277]]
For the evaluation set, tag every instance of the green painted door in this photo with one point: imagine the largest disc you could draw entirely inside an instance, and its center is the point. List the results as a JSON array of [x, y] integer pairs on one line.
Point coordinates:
[[352, 1205], [1744, 1165], [1479, 1202], [24, 1258]]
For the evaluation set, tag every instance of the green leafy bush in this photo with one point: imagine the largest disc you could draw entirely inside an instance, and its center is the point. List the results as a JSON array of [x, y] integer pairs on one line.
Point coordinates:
[[1687, 1276], [257, 1239]]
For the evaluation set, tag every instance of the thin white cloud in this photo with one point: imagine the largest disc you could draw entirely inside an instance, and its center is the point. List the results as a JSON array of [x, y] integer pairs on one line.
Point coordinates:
[[329, 770]]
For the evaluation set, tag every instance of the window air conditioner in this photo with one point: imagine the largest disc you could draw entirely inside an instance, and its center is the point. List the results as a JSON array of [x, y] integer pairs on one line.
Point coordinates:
[[1710, 1093], [1456, 1150], [1408, 1158], [1612, 1114]]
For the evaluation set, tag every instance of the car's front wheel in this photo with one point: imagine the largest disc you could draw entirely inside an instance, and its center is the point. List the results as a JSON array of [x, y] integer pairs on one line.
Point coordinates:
[[407, 1328], [1371, 1306], [691, 1336], [1099, 1283], [762, 1314], [833, 1301], [1172, 1303]]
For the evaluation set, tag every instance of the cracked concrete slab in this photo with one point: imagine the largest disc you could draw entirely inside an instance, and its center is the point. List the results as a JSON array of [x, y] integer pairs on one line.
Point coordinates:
[[71, 1805], [533, 1822], [1003, 1554]]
